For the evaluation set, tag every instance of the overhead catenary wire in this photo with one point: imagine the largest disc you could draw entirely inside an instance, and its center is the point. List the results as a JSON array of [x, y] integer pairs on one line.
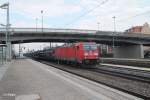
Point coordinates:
[[137, 15], [84, 14]]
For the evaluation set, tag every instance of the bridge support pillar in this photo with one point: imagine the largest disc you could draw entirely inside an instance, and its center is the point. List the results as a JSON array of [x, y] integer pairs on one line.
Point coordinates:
[[132, 51]]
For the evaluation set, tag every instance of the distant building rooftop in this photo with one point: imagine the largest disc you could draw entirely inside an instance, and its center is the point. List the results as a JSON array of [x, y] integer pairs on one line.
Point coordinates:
[[145, 29]]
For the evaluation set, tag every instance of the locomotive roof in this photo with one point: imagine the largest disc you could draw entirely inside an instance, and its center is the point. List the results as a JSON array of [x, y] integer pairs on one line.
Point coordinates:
[[85, 43], [77, 43]]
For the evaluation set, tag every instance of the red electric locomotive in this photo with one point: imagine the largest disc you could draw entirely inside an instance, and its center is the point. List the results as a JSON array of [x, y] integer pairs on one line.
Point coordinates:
[[82, 53]]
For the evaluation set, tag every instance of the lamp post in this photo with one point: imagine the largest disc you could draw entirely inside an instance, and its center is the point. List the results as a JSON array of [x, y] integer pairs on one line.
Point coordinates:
[[42, 19], [6, 6], [19, 50], [36, 22], [98, 24], [114, 32]]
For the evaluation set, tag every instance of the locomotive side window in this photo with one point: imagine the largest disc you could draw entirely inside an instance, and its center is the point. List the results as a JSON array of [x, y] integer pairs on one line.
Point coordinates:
[[86, 47], [89, 47]]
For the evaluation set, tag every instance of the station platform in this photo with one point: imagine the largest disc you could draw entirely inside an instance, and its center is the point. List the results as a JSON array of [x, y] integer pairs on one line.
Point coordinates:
[[26, 79], [125, 66], [129, 62], [126, 59]]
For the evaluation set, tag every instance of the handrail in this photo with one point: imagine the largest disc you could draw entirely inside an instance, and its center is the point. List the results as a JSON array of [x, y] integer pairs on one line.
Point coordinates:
[[47, 30], [77, 31]]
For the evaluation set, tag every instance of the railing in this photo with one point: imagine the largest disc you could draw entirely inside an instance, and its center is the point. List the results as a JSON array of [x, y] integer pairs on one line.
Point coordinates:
[[124, 34], [77, 31], [48, 30]]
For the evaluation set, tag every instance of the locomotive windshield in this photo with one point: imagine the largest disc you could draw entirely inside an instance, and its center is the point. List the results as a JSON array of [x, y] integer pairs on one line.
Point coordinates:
[[90, 47]]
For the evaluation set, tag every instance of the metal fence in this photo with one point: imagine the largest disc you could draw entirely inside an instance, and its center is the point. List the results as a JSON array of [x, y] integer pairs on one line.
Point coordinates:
[[79, 31], [2, 55], [48, 30]]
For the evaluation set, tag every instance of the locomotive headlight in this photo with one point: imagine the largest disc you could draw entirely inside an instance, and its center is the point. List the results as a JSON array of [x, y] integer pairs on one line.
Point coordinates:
[[96, 54], [86, 54]]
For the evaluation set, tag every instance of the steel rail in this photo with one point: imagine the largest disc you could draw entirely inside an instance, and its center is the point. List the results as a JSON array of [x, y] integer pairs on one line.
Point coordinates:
[[122, 74]]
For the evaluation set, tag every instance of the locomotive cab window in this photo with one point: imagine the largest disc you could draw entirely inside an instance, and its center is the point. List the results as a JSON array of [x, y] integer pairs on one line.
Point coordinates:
[[93, 47]]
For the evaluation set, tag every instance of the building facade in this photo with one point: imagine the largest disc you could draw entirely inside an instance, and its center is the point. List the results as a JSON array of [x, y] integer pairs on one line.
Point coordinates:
[[145, 29]]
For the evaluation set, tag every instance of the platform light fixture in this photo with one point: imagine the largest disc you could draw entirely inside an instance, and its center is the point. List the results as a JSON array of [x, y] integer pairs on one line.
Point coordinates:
[[98, 26], [36, 23], [42, 19], [5, 6], [114, 33]]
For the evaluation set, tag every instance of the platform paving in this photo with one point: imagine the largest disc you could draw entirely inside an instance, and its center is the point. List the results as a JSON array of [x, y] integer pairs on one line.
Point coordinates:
[[3, 68], [26, 78]]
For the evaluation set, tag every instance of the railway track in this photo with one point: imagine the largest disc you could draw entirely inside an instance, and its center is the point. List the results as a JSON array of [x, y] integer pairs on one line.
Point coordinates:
[[136, 85], [132, 74], [130, 62]]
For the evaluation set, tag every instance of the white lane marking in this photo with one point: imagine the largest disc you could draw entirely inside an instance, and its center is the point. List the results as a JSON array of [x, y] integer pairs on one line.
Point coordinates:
[[126, 59], [28, 97], [9, 95], [125, 66], [94, 93]]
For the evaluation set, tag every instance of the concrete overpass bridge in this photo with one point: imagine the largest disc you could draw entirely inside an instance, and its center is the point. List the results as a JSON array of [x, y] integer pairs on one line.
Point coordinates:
[[127, 45], [25, 35]]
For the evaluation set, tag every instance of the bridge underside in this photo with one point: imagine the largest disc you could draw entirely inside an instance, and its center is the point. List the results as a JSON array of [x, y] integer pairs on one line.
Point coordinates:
[[107, 41], [117, 43]]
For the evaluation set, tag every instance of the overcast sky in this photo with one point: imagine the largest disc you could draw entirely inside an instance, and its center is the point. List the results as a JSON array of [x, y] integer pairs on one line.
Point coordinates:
[[66, 13]]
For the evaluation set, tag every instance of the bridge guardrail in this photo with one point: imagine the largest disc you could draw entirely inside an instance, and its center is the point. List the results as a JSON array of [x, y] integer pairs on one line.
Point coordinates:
[[48, 30], [77, 31], [125, 34]]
